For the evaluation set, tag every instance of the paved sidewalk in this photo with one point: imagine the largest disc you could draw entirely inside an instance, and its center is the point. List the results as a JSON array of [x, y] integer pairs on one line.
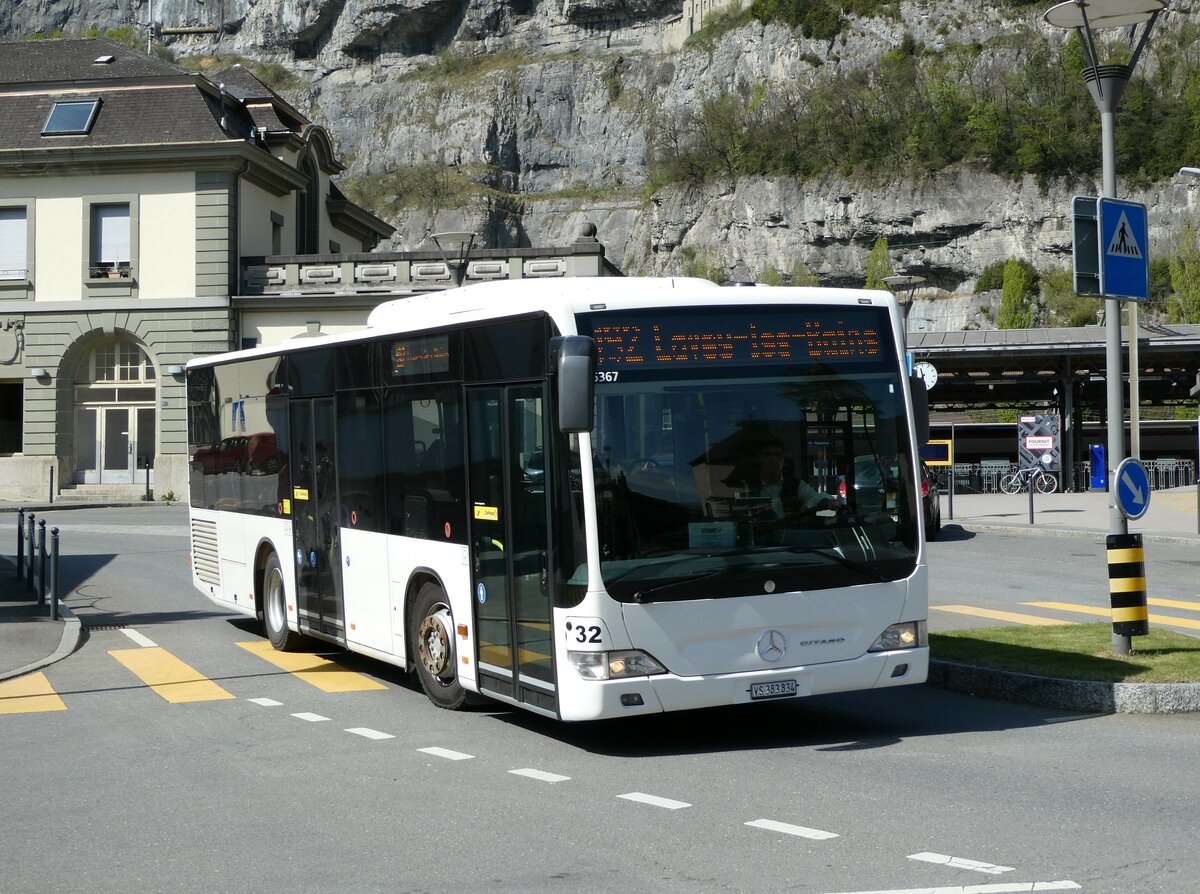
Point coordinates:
[[29, 640], [1171, 516]]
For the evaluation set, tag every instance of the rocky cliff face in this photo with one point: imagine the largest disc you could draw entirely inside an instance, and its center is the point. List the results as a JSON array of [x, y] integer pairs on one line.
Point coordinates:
[[522, 119]]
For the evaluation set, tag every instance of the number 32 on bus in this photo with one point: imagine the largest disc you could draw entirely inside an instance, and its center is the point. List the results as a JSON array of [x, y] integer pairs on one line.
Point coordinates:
[[590, 498]]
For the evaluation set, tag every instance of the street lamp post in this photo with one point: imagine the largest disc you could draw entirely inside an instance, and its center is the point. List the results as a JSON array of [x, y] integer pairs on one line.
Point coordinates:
[[898, 281], [1106, 84]]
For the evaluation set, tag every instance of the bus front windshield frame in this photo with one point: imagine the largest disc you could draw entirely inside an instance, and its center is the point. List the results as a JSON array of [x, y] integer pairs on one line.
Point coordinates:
[[718, 479]]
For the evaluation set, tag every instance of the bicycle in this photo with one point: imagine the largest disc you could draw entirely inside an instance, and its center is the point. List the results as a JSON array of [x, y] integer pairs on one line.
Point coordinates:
[[1021, 479]]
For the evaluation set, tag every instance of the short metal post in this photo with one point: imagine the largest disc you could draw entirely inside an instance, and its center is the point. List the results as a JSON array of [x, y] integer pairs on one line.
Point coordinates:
[[41, 574], [21, 544], [1031, 499], [54, 574], [52, 484], [30, 542], [952, 472], [147, 481]]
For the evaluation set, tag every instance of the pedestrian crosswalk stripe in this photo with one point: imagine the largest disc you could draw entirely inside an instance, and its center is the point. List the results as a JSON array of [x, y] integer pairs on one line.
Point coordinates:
[[1165, 620], [173, 679], [313, 669], [995, 615], [30, 694]]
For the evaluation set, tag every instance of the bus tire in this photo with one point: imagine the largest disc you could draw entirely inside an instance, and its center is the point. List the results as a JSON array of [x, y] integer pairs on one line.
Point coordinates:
[[431, 629], [274, 608]]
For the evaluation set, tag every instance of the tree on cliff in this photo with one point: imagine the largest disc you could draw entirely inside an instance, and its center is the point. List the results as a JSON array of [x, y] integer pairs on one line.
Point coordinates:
[[1184, 305], [1016, 308], [879, 264]]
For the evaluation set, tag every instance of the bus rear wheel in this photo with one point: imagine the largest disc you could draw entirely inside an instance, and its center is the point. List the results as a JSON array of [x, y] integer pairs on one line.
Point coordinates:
[[432, 635], [275, 608]]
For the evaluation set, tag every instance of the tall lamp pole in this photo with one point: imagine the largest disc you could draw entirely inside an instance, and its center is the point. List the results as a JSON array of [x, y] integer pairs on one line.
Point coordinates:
[[1106, 83]]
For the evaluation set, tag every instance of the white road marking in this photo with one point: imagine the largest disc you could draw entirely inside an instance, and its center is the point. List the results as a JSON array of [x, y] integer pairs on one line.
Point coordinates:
[[960, 863], [540, 775], [446, 753], [368, 733], [314, 718], [654, 800], [143, 641], [788, 829], [265, 702], [1002, 888]]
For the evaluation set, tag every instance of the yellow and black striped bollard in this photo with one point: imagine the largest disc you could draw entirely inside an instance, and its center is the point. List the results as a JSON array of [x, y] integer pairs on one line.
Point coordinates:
[[1127, 585]]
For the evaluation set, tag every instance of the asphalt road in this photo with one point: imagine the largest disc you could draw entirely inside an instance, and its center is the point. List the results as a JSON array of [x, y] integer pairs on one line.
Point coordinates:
[[283, 787]]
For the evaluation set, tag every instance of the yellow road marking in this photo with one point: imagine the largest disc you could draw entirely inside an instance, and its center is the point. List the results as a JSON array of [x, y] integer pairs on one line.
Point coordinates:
[[1176, 603], [1167, 620], [1014, 617], [31, 694], [314, 670], [174, 680]]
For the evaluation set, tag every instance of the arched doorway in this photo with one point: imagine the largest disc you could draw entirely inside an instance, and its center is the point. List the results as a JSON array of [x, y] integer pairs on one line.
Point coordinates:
[[114, 413]]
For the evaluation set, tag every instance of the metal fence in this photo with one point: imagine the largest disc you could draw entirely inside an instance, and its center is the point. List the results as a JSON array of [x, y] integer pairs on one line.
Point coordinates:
[[984, 477]]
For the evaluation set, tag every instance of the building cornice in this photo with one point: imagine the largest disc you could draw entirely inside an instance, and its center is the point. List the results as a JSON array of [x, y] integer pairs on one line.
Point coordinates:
[[260, 167]]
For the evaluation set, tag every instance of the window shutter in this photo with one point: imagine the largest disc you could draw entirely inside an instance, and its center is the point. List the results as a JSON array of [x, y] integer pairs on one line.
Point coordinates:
[[13, 245]]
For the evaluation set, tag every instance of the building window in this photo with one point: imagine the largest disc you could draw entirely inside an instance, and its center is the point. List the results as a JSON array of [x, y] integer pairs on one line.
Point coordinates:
[[307, 209], [14, 244], [276, 233], [11, 417], [110, 250], [115, 362], [75, 117]]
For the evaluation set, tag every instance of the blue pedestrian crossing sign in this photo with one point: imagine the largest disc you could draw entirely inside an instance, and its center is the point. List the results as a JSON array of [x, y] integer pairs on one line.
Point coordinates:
[[1133, 489], [1124, 250]]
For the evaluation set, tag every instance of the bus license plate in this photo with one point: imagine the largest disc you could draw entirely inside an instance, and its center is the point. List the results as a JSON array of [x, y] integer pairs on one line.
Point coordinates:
[[777, 689]]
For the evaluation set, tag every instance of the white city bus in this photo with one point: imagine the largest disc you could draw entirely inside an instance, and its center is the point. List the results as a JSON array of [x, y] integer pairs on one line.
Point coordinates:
[[529, 491]]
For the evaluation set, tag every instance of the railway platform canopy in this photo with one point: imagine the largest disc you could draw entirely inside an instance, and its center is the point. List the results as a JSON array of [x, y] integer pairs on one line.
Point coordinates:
[[1065, 367]]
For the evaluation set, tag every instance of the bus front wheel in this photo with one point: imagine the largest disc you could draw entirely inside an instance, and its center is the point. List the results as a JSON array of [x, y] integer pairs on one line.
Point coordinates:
[[275, 608], [432, 635]]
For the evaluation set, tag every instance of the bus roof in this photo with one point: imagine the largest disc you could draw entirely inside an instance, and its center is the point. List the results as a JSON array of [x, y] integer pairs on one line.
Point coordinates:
[[561, 298]]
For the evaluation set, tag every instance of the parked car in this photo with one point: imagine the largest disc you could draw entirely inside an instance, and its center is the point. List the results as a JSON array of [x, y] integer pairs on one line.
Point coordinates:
[[931, 503], [871, 486]]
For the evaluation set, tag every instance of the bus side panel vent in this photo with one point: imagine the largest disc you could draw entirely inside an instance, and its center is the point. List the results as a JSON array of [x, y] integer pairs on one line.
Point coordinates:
[[204, 551]]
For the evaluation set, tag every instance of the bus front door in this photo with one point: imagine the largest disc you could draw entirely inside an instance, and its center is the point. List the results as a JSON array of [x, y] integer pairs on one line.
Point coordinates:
[[510, 542], [314, 517]]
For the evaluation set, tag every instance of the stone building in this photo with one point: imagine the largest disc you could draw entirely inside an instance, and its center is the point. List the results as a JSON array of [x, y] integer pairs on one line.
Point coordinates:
[[149, 215]]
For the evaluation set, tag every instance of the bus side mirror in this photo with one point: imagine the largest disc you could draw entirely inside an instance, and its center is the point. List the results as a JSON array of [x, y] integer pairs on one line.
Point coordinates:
[[920, 402], [576, 356]]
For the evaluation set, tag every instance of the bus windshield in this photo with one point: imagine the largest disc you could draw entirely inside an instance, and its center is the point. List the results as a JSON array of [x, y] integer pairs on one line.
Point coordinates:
[[736, 453]]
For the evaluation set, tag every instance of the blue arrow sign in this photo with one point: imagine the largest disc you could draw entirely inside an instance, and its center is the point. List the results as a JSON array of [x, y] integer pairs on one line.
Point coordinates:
[[1133, 489], [1124, 250]]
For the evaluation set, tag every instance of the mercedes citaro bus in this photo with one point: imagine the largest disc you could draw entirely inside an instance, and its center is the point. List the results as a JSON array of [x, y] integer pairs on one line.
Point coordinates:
[[548, 493]]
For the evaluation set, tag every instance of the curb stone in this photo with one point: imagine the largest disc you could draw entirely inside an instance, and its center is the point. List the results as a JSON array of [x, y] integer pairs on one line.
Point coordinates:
[[1085, 696]]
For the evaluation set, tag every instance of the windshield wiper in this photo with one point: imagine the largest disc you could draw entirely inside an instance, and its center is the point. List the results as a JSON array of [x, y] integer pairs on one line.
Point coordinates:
[[830, 553], [645, 595]]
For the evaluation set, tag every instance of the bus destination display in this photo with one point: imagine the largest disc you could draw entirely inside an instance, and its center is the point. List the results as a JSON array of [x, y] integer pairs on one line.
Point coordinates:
[[739, 337], [422, 355]]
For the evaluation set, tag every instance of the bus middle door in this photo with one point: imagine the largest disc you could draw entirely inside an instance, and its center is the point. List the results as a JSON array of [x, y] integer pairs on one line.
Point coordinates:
[[510, 542], [314, 516]]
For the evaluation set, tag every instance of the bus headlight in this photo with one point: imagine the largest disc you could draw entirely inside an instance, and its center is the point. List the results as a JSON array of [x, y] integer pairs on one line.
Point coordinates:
[[614, 665], [908, 635]]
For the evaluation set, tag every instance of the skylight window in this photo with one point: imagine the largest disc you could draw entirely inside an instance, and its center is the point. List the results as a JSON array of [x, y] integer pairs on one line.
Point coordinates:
[[104, 60], [72, 117]]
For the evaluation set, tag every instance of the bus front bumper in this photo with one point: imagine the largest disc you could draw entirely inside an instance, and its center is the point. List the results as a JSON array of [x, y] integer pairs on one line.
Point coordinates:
[[594, 700]]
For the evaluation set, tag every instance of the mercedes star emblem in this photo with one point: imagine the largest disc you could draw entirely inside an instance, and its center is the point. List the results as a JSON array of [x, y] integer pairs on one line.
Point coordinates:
[[771, 646]]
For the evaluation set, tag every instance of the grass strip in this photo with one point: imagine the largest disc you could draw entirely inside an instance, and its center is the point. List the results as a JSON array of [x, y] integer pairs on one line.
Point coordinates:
[[1073, 652]]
